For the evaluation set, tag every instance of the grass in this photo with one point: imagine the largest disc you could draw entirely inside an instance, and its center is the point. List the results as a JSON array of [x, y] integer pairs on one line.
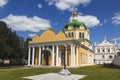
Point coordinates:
[[96, 72]]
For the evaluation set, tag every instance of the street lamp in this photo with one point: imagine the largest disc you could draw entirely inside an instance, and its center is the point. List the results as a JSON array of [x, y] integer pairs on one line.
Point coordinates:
[[64, 71]]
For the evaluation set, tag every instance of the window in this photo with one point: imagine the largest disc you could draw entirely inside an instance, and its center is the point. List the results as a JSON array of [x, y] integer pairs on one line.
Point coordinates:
[[108, 49], [110, 57], [81, 35], [103, 56], [98, 50], [103, 50], [70, 34]]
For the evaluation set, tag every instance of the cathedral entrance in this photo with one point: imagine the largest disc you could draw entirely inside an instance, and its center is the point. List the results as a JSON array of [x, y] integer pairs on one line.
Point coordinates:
[[45, 57]]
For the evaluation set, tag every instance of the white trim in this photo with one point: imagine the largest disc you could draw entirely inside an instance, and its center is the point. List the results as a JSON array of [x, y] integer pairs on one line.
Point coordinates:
[[56, 55], [33, 53], [39, 56], [72, 55], [53, 55], [29, 56], [77, 55]]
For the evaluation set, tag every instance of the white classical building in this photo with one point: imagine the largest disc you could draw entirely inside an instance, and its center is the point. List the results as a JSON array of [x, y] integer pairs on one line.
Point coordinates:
[[105, 52]]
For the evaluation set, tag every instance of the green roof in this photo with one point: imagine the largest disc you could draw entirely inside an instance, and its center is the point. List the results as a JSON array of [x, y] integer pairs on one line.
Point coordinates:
[[75, 24]]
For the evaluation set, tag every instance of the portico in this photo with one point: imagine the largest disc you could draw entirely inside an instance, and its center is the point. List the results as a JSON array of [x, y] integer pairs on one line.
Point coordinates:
[[56, 54]]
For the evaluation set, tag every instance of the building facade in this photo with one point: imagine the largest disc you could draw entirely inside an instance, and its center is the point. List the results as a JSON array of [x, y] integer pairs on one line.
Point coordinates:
[[105, 52], [70, 47]]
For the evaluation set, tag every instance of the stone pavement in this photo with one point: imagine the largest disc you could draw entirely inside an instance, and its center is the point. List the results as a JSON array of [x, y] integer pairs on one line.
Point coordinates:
[[55, 76]]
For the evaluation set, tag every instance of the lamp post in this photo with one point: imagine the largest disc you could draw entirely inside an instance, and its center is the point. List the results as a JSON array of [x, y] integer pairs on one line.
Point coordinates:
[[64, 58], [64, 71]]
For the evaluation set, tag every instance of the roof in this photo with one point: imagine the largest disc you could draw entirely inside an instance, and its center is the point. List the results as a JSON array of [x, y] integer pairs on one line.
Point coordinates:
[[105, 42], [75, 24]]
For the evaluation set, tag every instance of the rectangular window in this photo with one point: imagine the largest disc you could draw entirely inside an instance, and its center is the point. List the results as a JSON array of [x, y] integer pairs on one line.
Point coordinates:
[[81, 35], [70, 34]]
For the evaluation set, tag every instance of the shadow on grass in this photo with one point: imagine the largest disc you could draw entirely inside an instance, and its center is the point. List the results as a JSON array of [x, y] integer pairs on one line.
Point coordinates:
[[7, 66], [111, 66]]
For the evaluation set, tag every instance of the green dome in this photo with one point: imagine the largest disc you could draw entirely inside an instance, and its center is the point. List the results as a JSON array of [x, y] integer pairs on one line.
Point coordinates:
[[75, 24]]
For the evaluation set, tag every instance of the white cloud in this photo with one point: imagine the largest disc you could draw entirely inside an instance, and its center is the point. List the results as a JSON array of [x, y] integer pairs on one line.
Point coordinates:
[[39, 6], [3, 3], [67, 4], [89, 20], [31, 35], [116, 19], [24, 23]]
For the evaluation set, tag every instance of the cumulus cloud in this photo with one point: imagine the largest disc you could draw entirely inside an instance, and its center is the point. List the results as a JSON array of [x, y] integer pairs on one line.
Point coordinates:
[[89, 20], [24, 23], [39, 6], [67, 4], [3, 3], [116, 19]]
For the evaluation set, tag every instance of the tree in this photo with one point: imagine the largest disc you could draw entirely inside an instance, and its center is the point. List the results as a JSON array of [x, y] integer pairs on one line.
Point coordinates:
[[11, 45]]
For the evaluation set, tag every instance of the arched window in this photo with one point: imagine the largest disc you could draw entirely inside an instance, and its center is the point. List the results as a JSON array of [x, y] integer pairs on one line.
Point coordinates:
[[103, 56], [110, 57], [103, 50], [108, 49], [98, 50]]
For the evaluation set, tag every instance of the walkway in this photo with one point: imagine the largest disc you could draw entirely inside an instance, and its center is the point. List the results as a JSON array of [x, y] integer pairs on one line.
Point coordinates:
[[55, 76]]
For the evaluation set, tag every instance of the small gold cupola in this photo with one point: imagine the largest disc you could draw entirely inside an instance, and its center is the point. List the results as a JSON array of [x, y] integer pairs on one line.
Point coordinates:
[[75, 15]]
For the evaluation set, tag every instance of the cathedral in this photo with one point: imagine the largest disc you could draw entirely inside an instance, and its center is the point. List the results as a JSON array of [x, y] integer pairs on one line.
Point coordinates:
[[71, 46]]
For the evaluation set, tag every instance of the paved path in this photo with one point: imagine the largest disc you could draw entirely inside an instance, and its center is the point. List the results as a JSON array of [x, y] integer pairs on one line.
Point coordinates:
[[55, 76]]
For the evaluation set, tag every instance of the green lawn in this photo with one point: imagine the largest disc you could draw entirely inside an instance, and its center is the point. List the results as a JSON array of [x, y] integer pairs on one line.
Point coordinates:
[[92, 72]]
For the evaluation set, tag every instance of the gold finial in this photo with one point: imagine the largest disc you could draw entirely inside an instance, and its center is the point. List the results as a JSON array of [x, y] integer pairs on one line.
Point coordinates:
[[75, 13]]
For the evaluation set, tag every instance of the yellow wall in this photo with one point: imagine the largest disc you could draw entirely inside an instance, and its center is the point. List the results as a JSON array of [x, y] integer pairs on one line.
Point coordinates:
[[74, 31], [36, 55], [49, 36]]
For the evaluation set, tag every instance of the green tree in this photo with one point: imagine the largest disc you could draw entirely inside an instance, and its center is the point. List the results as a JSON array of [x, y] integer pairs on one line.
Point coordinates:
[[12, 46]]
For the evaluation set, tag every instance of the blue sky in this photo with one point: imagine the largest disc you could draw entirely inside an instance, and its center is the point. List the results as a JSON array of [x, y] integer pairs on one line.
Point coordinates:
[[29, 17]]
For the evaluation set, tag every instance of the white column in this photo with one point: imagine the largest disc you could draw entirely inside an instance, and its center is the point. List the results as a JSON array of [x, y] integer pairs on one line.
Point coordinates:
[[33, 54], [53, 55], [66, 54], [72, 55], [43, 48], [56, 55], [77, 34], [29, 56], [88, 58], [39, 62], [77, 55]]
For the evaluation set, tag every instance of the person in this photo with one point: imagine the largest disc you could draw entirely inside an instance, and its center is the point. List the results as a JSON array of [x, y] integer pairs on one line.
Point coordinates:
[[65, 66]]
